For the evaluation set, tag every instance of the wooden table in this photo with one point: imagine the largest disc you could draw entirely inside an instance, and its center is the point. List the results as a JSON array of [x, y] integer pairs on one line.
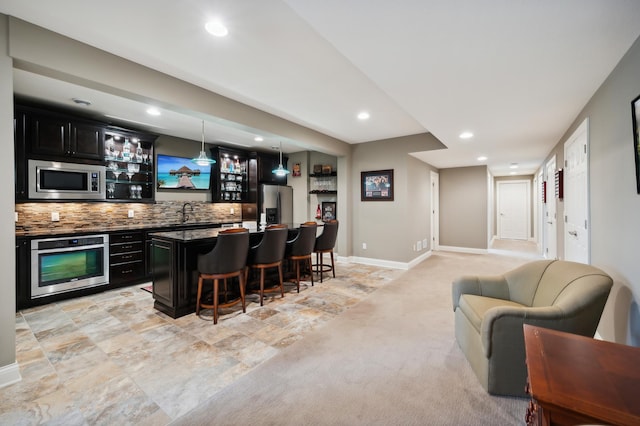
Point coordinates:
[[578, 380]]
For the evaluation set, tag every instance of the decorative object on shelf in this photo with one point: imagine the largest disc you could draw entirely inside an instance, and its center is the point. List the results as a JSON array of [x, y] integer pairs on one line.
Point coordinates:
[[317, 169], [328, 210], [376, 185], [202, 159], [635, 112], [296, 170], [318, 212], [326, 170], [280, 171]]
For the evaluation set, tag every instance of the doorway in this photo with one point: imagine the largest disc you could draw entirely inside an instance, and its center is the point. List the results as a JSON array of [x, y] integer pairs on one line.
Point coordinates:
[[435, 211], [514, 206], [550, 226], [576, 195]]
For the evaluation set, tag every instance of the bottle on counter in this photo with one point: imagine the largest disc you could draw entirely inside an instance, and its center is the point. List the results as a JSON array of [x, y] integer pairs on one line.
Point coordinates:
[[318, 212]]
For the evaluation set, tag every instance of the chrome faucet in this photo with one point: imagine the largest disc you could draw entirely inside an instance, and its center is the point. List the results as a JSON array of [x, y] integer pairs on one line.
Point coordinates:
[[185, 216]]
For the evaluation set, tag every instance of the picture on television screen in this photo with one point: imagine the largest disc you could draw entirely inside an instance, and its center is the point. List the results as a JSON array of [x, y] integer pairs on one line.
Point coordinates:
[[181, 173]]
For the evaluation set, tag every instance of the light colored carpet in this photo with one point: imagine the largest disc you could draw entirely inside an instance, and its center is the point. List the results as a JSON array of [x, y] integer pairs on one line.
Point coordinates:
[[390, 360]]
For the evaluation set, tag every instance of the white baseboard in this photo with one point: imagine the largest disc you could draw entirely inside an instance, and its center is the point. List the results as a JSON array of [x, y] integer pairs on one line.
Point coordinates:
[[463, 249], [387, 263], [9, 374]]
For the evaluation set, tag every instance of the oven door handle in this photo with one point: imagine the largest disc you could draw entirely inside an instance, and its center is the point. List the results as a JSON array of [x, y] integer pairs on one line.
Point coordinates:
[[68, 249]]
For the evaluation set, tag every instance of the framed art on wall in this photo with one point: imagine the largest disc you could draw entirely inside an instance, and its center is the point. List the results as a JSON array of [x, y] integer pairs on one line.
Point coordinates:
[[376, 185], [328, 210]]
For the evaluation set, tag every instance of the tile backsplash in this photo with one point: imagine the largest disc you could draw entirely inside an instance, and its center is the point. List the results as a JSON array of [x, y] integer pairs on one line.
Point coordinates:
[[37, 217]]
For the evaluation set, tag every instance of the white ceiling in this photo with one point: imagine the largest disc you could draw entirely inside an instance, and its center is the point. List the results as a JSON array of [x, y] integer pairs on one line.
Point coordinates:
[[514, 72]]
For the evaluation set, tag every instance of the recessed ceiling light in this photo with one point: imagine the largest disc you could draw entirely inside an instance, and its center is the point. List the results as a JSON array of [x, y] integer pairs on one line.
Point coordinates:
[[216, 28], [513, 166], [466, 135], [258, 139], [364, 115], [482, 158], [153, 111]]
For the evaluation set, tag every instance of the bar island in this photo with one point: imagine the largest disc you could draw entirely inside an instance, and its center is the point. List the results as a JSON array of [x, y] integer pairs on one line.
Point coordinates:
[[174, 259]]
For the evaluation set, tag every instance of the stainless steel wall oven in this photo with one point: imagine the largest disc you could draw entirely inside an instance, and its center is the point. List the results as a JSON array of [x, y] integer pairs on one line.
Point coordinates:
[[68, 263]]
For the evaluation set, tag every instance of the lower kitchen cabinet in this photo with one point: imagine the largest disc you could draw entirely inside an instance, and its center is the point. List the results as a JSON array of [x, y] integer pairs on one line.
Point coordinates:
[[126, 258]]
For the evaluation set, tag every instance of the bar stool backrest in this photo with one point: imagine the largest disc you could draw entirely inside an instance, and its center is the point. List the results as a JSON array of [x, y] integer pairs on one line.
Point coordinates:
[[327, 240], [271, 247], [228, 255], [304, 242]]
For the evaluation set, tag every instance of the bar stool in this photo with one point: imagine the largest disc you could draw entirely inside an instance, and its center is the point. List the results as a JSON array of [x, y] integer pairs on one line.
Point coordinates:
[[325, 243], [268, 253], [299, 249], [227, 259]]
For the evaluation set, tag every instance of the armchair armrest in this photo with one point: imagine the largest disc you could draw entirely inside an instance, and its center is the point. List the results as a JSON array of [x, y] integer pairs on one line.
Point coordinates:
[[489, 286], [504, 324]]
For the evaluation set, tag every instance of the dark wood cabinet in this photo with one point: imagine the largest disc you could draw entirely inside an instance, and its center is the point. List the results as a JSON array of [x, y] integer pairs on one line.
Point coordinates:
[[54, 136], [126, 258], [130, 168], [20, 152], [23, 272], [229, 182], [266, 164]]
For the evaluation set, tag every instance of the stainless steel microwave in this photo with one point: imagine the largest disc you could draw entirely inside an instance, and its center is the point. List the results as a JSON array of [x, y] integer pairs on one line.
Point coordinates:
[[55, 180]]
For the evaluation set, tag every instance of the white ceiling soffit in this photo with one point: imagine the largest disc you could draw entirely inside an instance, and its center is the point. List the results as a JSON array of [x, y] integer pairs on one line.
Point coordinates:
[[515, 73]]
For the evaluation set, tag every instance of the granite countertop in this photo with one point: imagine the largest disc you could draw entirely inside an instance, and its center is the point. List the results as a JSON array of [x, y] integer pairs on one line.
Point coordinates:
[[189, 234], [111, 228]]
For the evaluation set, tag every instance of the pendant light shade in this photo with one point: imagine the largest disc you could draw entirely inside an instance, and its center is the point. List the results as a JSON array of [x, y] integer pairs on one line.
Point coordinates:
[[280, 171], [202, 159]]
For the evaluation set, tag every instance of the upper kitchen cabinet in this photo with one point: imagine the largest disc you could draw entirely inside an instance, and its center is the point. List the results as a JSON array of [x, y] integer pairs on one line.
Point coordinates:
[[266, 164], [230, 178], [130, 169], [58, 136]]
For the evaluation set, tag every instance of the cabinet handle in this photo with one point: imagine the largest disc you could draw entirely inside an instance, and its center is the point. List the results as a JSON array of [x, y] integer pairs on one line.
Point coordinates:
[[128, 271]]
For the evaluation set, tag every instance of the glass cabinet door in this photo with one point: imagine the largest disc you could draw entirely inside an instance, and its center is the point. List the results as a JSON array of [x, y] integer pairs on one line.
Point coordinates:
[[129, 162]]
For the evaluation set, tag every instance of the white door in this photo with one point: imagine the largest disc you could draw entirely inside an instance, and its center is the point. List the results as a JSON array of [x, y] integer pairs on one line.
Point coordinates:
[[550, 226], [539, 232], [513, 209], [435, 211], [576, 195]]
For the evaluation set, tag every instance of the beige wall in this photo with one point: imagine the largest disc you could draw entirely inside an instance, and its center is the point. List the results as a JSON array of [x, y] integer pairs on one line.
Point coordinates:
[[464, 195], [391, 228], [614, 203]]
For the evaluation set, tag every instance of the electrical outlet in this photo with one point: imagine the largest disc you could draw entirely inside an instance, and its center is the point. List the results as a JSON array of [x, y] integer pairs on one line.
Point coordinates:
[[419, 245], [364, 246], [131, 213], [232, 210], [424, 244], [55, 217]]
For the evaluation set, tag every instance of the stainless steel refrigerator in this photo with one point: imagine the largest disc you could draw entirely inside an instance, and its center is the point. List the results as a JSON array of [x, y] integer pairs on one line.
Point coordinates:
[[275, 202]]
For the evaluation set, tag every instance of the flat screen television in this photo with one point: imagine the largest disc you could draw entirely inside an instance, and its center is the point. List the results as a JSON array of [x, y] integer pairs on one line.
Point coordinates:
[[181, 173]]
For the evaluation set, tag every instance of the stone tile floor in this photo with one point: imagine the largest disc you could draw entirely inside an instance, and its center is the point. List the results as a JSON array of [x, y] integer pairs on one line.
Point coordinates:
[[112, 358]]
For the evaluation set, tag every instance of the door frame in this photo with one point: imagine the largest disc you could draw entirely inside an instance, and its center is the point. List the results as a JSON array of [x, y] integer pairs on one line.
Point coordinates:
[[550, 198]]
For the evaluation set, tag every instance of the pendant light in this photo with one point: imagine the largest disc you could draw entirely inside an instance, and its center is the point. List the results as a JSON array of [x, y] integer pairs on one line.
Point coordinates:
[[202, 159], [280, 171]]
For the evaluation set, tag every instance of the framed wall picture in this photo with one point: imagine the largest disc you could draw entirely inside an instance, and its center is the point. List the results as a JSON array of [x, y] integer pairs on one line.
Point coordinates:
[[635, 113], [376, 185], [328, 210]]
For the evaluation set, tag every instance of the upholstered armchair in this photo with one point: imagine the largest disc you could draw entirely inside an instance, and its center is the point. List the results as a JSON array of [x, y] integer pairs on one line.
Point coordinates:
[[491, 310]]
